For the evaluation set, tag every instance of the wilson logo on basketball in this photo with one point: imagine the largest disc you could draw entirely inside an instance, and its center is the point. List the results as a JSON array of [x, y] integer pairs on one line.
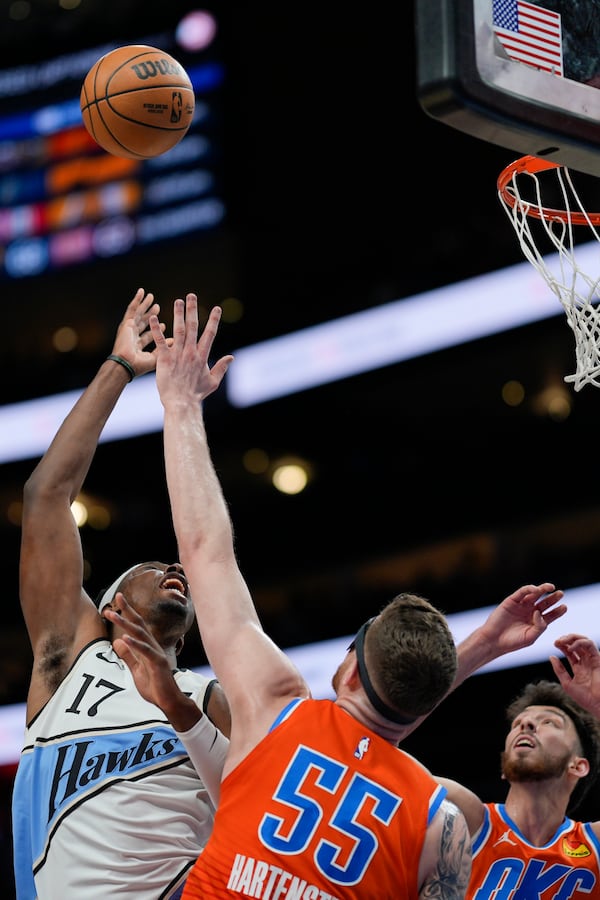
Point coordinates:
[[154, 68]]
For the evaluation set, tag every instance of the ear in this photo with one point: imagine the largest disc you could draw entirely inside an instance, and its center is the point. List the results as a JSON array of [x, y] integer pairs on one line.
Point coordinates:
[[579, 766], [179, 645], [350, 674], [101, 614]]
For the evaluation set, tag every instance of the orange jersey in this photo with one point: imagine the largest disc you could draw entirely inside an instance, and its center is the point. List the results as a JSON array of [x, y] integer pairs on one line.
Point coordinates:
[[507, 867], [321, 809]]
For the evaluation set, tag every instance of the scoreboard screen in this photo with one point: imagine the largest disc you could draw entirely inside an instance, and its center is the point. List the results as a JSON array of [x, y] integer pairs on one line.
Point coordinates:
[[64, 201]]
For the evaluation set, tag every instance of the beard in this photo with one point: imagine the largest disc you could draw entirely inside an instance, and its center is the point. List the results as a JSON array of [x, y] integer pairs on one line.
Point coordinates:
[[168, 621], [522, 769], [170, 610]]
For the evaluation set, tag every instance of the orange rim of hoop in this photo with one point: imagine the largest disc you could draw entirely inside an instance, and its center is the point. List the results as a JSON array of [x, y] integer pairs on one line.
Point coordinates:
[[532, 165]]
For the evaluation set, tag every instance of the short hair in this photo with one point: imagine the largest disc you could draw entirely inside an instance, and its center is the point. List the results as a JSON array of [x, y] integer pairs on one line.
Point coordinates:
[[411, 654], [549, 693]]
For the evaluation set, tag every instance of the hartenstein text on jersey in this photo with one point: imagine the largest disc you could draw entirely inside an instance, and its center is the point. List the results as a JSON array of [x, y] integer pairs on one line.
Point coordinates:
[[256, 878]]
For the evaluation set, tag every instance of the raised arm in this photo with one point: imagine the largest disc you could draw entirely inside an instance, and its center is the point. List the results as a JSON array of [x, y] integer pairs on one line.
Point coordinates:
[[517, 622], [255, 675], [59, 616]]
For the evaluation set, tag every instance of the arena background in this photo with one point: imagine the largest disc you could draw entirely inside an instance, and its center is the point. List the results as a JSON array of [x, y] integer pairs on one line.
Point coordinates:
[[341, 196]]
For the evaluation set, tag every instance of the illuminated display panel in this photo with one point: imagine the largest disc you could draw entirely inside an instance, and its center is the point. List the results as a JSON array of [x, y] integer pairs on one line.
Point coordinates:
[[64, 201]]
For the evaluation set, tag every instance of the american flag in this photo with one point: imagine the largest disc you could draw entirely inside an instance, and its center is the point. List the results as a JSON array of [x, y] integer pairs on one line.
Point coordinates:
[[529, 34]]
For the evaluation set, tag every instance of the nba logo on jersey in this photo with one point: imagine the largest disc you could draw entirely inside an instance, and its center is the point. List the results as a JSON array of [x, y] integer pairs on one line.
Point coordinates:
[[363, 746]]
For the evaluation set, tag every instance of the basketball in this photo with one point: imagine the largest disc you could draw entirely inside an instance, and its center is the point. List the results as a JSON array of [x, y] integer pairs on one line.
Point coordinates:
[[137, 102]]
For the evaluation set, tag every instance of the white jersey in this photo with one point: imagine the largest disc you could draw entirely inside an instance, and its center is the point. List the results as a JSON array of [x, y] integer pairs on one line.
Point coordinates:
[[106, 802]]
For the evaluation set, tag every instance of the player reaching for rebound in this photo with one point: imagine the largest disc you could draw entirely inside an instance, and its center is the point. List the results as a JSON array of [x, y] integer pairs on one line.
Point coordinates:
[[106, 802], [316, 800], [530, 845]]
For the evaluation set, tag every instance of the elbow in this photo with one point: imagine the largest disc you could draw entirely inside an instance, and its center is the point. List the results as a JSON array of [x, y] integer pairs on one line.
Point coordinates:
[[32, 489], [39, 491]]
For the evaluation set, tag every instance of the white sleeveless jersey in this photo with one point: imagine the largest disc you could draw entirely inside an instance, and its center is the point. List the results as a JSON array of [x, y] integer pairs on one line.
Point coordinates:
[[106, 802]]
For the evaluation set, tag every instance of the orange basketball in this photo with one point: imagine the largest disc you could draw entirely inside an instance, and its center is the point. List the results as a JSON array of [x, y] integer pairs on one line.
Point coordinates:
[[137, 102]]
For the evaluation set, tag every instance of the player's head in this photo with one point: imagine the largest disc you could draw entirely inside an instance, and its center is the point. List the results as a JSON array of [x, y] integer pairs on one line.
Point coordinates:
[[577, 736], [406, 658], [160, 593]]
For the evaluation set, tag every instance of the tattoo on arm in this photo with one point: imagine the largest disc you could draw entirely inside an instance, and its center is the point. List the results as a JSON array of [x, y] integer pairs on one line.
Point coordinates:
[[449, 879]]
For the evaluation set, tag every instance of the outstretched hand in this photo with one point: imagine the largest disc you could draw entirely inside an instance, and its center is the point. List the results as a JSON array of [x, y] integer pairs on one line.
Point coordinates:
[[182, 370], [583, 657], [523, 616], [134, 334]]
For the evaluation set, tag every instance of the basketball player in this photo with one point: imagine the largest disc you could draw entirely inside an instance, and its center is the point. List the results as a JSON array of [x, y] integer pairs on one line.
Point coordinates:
[[316, 799], [106, 802], [529, 846]]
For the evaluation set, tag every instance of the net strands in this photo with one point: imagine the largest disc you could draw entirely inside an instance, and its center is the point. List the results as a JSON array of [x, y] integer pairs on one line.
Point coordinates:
[[541, 228]]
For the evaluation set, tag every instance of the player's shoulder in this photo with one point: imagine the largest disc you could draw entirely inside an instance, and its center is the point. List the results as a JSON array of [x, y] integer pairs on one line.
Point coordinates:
[[595, 829], [195, 683], [193, 677]]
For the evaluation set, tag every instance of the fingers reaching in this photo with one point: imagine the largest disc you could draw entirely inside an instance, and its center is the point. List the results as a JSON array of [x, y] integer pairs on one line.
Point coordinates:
[[134, 334], [581, 680], [577, 648], [183, 368]]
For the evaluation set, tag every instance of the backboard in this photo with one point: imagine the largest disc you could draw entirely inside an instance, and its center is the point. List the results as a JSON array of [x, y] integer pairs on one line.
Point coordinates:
[[521, 75]]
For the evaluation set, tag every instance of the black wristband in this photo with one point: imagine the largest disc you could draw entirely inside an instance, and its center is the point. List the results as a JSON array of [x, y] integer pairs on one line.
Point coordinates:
[[124, 363]]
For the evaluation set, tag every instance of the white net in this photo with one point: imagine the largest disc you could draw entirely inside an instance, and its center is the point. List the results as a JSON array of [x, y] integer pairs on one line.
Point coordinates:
[[562, 227]]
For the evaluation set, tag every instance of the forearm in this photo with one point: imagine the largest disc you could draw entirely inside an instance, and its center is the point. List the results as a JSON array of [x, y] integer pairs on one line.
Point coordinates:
[[207, 748], [474, 652], [67, 461], [200, 515], [181, 711]]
